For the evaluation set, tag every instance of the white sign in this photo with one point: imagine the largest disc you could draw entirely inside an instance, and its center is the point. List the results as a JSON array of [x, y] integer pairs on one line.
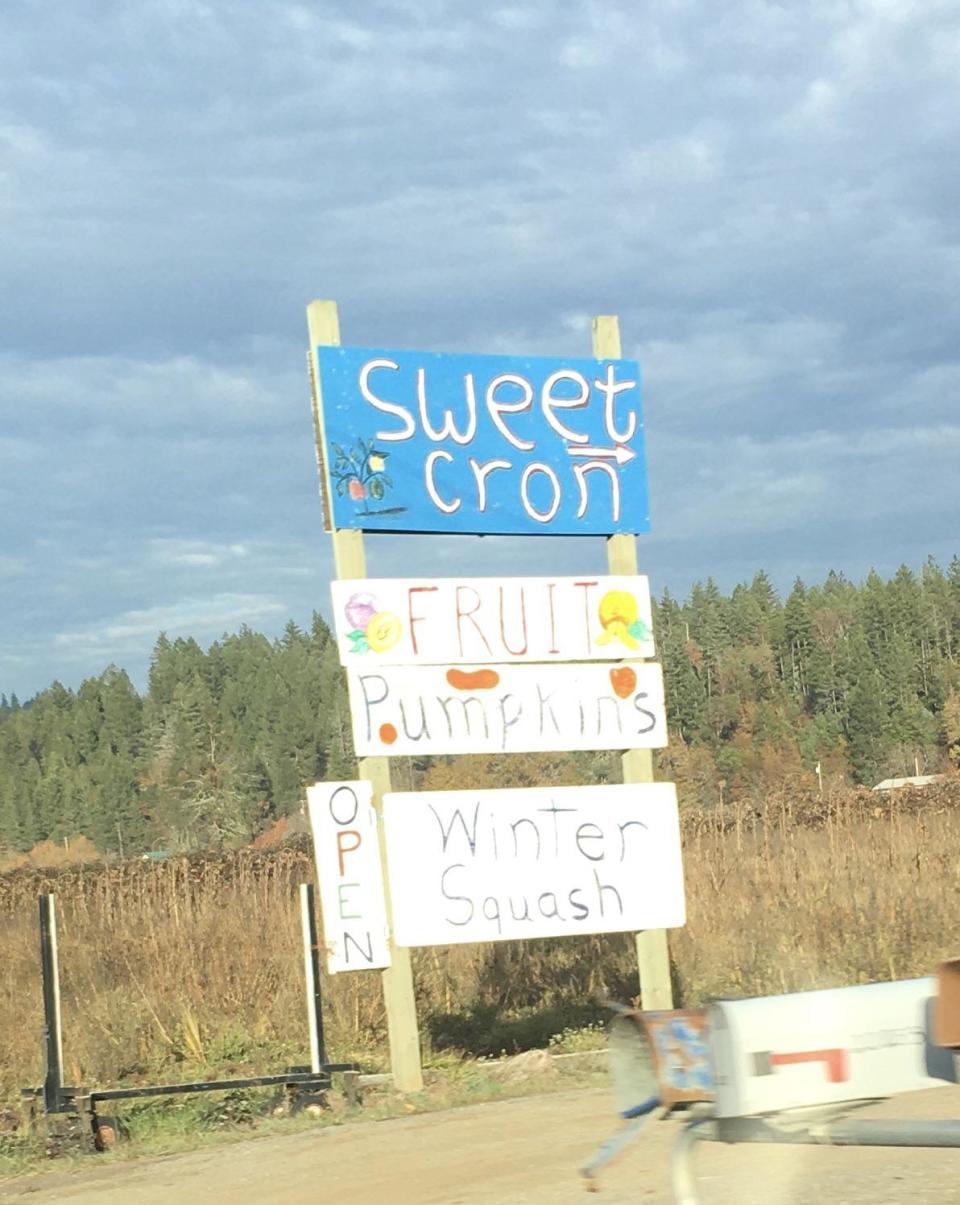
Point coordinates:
[[469, 866], [506, 708], [437, 621], [823, 1047], [349, 875]]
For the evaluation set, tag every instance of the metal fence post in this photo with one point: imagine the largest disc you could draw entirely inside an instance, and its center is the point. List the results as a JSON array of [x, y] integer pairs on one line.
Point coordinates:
[[50, 970], [311, 971]]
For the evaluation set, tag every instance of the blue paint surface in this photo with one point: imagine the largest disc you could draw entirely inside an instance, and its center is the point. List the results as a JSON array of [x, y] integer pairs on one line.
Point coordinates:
[[384, 450]]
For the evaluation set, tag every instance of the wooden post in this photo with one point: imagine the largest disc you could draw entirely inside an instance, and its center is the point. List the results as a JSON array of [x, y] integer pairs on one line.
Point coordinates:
[[653, 954], [350, 560]]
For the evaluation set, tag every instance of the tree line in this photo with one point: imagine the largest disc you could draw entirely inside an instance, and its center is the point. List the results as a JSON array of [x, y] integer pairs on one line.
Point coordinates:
[[862, 681]]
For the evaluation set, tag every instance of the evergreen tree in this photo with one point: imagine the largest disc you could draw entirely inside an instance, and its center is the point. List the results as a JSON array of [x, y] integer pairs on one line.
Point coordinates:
[[226, 739], [867, 726], [798, 639], [710, 628], [685, 692]]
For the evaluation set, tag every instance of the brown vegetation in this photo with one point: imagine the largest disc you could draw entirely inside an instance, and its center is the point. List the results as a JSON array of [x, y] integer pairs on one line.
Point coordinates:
[[193, 964], [50, 854]]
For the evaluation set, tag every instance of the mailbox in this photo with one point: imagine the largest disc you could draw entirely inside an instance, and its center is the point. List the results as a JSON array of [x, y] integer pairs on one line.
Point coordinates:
[[825, 1047]]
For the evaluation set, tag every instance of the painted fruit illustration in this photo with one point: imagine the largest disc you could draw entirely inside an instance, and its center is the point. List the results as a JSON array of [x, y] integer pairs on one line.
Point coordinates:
[[360, 609], [623, 680], [360, 472], [383, 631], [620, 619], [373, 630], [477, 679]]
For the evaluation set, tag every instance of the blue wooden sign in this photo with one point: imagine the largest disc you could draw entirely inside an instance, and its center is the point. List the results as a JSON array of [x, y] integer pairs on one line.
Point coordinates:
[[418, 441]]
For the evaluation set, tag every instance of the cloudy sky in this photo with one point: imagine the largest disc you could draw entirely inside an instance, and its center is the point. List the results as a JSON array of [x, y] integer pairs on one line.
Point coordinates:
[[765, 193]]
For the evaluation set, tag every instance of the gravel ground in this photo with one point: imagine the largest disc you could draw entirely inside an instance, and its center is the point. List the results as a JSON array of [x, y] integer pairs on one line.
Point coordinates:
[[515, 1152]]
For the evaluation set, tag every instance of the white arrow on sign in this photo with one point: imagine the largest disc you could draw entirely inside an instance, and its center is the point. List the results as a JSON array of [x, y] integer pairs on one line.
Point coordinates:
[[621, 453]]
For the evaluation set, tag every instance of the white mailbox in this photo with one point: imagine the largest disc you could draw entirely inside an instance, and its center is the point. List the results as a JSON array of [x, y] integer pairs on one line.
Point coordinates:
[[825, 1047]]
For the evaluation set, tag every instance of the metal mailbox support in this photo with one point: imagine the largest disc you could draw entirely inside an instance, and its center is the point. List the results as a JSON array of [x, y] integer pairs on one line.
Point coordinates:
[[833, 1131], [659, 1061]]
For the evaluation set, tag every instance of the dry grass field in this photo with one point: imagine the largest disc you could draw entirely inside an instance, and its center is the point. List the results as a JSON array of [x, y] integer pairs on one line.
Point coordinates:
[[193, 965]]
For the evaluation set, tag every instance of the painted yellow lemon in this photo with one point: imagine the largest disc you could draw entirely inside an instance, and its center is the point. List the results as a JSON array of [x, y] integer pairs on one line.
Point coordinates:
[[377, 463], [383, 631], [618, 611]]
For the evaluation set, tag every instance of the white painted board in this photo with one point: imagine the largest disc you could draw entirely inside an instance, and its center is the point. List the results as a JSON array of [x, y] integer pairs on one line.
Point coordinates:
[[483, 620], [349, 875], [822, 1047], [420, 709], [470, 866]]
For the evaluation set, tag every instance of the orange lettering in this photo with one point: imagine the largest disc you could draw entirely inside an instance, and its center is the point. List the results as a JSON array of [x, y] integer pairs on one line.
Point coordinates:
[[346, 849]]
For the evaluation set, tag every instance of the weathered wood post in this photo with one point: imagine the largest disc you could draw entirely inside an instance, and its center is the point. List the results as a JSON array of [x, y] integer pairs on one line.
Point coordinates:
[[350, 562], [653, 954]]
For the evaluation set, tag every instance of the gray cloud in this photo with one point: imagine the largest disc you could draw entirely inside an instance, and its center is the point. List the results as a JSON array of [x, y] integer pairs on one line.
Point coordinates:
[[765, 193]]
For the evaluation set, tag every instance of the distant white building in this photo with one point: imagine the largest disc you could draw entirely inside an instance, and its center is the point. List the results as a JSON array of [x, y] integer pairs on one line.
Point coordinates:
[[918, 780]]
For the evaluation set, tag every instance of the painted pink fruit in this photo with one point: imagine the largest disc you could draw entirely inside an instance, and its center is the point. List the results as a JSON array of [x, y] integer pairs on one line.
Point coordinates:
[[356, 490], [360, 609]]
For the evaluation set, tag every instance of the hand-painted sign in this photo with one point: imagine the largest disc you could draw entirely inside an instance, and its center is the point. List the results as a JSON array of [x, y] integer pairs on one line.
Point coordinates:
[[431, 621], [416, 441], [680, 1043], [349, 875], [536, 862], [408, 710]]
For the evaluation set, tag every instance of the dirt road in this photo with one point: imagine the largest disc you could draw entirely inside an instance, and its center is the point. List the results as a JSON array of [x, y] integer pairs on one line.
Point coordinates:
[[517, 1152]]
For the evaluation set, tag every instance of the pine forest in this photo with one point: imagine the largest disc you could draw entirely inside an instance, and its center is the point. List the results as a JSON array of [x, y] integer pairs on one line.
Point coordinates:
[[854, 682]]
